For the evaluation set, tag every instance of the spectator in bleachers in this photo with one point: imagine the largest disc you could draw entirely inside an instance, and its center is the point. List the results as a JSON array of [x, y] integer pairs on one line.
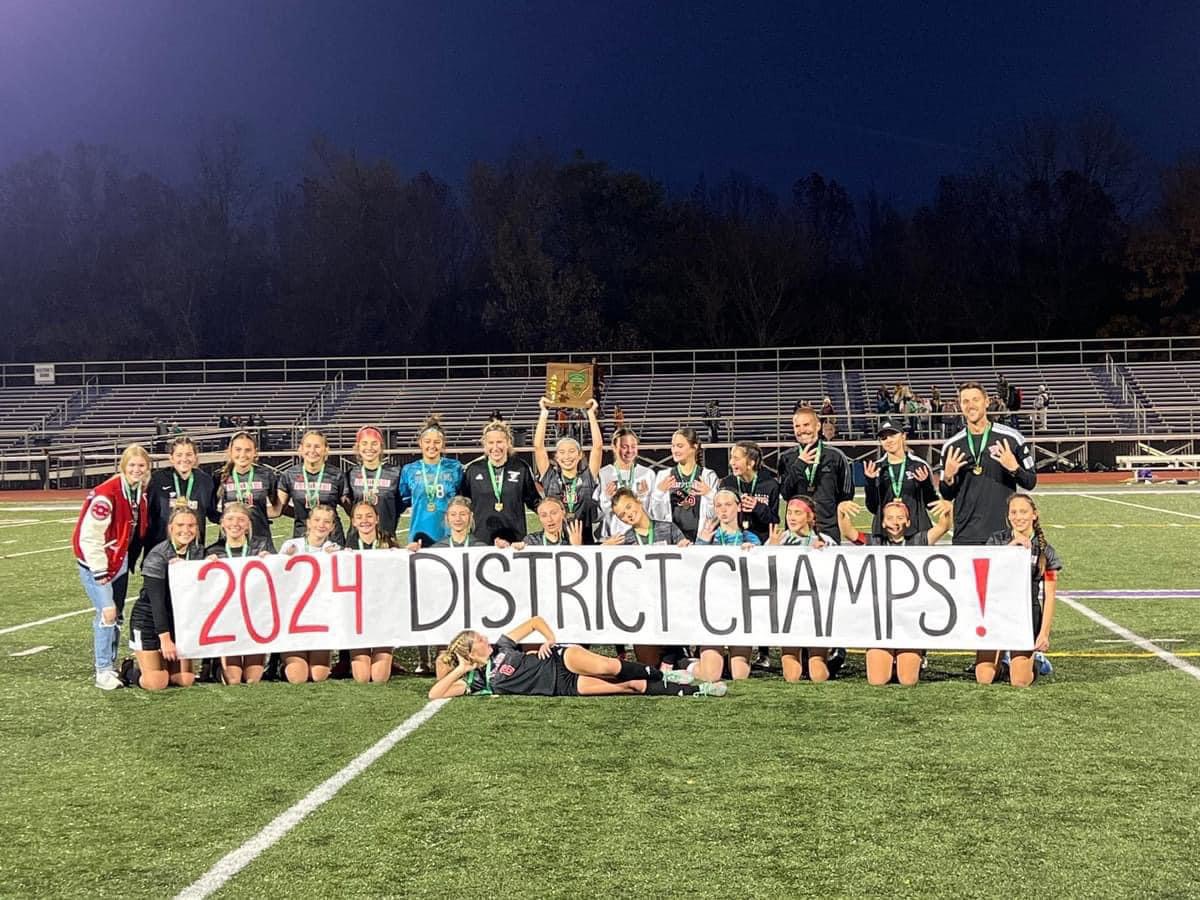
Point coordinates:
[[827, 406], [951, 420], [1002, 387], [883, 402], [1041, 408], [712, 416], [829, 429]]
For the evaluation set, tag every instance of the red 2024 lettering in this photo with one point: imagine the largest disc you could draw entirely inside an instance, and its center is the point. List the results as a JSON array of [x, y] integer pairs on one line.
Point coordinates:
[[256, 576]]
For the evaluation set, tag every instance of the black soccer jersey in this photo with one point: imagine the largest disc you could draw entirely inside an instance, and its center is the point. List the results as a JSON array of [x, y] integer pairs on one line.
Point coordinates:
[[920, 539], [982, 486], [381, 488], [828, 480], [167, 491], [689, 509], [660, 533], [915, 493], [256, 488], [306, 489], [500, 495], [252, 547], [578, 495], [516, 672], [152, 614], [765, 489], [471, 541], [539, 539]]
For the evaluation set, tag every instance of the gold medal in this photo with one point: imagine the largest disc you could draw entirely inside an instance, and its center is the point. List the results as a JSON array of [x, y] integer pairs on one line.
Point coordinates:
[[431, 507], [180, 503], [978, 470], [499, 506]]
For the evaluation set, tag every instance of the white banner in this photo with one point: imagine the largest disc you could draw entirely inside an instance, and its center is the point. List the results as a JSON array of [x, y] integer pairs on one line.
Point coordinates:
[[915, 597]]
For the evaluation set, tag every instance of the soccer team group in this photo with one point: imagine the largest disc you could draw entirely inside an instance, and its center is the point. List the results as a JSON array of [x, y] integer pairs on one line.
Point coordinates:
[[159, 516]]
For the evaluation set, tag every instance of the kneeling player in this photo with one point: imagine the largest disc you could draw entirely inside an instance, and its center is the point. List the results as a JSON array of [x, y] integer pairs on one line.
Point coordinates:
[[894, 517], [152, 623], [473, 665]]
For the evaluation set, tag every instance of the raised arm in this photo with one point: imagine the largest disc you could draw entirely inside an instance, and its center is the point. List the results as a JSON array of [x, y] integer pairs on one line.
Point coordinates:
[[538, 624], [846, 511], [944, 509], [596, 454], [541, 459]]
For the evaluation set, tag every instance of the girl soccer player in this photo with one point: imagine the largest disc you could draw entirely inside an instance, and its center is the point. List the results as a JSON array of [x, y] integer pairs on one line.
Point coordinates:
[[311, 483], [556, 529], [460, 526], [883, 661], [564, 478], [239, 542], [369, 664], [800, 520], [152, 622], [726, 530], [472, 665], [501, 487], [255, 487], [113, 513], [300, 665], [755, 487], [898, 475], [1025, 530], [625, 473], [427, 485], [372, 482], [179, 486], [687, 489]]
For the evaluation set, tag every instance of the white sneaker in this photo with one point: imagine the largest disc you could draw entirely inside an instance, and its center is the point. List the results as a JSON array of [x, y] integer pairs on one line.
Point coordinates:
[[108, 680]]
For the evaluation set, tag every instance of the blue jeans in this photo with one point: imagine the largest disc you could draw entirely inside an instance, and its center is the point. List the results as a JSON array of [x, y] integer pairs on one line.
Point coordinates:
[[106, 637]]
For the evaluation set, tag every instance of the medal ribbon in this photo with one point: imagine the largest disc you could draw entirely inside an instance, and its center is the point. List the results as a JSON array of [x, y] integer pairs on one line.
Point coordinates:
[[497, 480], [649, 535], [245, 496], [431, 487], [812, 470], [368, 488], [191, 479], [245, 550], [977, 455], [312, 497], [897, 482]]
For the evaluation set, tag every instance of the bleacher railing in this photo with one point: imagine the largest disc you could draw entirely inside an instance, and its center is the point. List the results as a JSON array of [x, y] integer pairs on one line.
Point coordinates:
[[736, 360]]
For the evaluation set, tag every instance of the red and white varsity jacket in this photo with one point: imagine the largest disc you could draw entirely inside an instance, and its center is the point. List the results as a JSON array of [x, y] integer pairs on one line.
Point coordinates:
[[105, 527]]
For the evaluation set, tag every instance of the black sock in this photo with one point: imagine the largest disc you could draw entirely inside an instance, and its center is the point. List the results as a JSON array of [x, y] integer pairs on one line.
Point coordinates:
[[133, 678], [636, 671], [662, 689]]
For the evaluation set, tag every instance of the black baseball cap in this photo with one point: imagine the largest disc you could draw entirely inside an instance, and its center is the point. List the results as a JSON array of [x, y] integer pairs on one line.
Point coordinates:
[[887, 426]]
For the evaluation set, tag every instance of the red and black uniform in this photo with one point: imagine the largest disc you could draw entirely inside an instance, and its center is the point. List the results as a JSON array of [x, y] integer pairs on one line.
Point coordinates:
[[256, 489]]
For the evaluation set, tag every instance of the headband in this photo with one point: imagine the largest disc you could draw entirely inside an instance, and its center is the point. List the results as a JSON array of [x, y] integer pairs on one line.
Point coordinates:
[[368, 431]]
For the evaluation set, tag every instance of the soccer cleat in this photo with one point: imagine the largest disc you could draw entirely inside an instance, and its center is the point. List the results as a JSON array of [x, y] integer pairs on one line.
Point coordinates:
[[108, 680], [835, 659], [125, 673], [711, 689], [1042, 663], [678, 676]]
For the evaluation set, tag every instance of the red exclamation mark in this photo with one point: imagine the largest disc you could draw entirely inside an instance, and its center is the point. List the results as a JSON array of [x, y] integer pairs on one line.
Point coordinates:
[[981, 573]]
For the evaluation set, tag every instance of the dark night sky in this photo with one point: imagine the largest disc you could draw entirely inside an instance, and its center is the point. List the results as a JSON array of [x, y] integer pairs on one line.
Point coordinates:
[[888, 95]]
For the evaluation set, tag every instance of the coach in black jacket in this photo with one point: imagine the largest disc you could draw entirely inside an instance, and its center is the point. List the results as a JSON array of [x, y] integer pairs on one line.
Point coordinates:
[[982, 466], [817, 470]]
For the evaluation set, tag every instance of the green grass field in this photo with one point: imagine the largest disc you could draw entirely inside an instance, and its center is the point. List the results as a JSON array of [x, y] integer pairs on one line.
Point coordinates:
[[1085, 785]]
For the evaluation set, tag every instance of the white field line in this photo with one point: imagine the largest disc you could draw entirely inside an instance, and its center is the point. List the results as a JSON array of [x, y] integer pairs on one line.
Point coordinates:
[[33, 552], [1152, 640], [32, 650], [43, 507], [11, 628], [236, 860], [1123, 632], [1169, 512], [1115, 493]]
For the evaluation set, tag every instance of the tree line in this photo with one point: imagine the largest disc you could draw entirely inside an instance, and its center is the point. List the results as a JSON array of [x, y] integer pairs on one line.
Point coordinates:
[[1062, 232]]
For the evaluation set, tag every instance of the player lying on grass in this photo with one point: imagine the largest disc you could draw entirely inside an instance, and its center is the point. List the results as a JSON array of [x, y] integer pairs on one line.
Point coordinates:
[[1025, 530], [152, 623], [473, 665]]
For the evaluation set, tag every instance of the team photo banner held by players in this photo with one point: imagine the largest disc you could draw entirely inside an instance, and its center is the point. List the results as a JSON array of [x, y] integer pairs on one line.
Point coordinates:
[[969, 598]]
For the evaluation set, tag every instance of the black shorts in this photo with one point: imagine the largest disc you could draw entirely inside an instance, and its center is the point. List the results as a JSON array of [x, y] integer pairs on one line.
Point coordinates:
[[566, 682], [143, 637]]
